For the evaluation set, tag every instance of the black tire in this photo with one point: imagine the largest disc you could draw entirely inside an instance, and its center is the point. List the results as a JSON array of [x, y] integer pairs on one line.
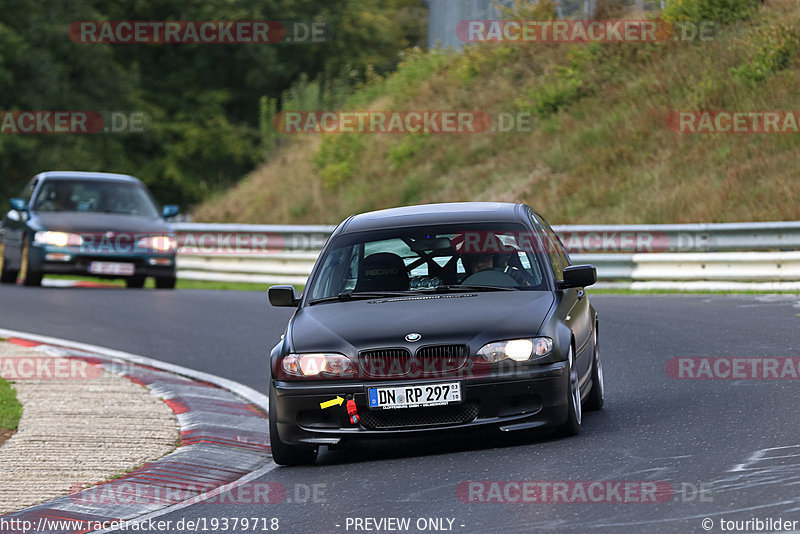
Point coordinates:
[[165, 282], [7, 276], [283, 454], [135, 282], [28, 276], [596, 396], [572, 426]]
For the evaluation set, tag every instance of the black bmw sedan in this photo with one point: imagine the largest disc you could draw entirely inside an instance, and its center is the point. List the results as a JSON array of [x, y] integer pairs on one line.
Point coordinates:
[[434, 318], [87, 223]]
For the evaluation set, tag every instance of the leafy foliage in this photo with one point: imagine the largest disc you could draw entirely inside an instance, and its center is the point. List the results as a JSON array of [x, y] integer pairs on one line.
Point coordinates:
[[776, 46], [209, 105], [725, 11]]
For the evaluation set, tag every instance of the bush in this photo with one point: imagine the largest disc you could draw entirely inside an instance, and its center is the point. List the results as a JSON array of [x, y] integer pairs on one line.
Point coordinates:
[[525, 10], [724, 11], [552, 97], [337, 158], [777, 46]]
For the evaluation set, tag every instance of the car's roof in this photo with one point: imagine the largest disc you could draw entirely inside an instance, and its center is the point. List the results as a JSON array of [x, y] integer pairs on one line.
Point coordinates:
[[71, 175], [450, 213]]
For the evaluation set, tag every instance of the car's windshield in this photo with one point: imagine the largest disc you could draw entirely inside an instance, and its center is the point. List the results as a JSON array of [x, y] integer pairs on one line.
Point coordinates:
[[95, 196], [419, 259]]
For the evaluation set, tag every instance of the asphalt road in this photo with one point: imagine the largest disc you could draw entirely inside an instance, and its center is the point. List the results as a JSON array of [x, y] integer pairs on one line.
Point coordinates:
[[715, 442]]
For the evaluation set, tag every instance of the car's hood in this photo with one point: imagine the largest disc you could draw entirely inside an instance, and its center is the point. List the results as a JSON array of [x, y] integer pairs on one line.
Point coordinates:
[[471, 318], [100, 222]]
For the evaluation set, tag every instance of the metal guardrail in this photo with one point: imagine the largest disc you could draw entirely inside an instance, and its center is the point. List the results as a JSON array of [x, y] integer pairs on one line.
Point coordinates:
[[705, 237], [279, 268], [710, 254]]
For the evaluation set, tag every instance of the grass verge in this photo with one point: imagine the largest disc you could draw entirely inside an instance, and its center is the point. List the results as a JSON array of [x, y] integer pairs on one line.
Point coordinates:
[[10, 410]]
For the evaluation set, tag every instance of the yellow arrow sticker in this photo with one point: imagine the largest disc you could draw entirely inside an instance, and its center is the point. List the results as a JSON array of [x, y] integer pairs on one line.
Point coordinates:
[[327, 404]]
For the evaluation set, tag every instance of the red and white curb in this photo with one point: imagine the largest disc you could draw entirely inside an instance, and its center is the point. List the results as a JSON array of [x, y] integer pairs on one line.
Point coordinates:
[[224, 444]]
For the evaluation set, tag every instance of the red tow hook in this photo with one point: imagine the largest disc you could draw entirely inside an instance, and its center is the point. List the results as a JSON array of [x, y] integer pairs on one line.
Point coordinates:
[[352, 411]]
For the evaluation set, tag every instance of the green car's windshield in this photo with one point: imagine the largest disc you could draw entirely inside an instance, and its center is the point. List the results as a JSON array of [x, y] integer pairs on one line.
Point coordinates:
[[95, 196], [432, 258]]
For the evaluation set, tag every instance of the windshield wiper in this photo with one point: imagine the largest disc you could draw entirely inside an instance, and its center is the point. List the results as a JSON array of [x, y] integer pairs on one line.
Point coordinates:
[[444, 288], [349, 295]]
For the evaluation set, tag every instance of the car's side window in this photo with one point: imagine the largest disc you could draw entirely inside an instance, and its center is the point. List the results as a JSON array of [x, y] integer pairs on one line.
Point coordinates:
[[560, 249], [27, 193], [551, 248], [555, 258]]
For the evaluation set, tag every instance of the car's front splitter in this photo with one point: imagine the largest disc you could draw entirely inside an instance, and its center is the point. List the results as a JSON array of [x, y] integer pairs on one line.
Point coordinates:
[[528, 399]]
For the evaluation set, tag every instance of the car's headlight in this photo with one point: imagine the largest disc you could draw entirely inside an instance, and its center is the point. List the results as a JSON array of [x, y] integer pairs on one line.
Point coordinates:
[[318, 365], [161, 243], [58, 239], [519, 350]]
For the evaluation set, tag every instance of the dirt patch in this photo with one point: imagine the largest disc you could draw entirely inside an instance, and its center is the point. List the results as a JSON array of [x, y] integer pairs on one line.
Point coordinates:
[[5, 434]]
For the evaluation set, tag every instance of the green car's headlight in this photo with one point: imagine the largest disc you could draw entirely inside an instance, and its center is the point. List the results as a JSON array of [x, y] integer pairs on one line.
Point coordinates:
[[58, 239]]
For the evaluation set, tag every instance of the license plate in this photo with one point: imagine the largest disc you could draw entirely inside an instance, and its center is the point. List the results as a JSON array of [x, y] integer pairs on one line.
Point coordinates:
[[414, 396], [112, 267]]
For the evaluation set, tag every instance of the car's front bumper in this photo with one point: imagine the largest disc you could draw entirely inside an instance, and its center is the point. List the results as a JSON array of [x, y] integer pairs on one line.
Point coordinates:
[[523, 399], [49, 259]]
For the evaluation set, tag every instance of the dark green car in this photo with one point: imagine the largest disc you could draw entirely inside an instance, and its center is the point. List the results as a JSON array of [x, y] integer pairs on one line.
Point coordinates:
[[87, 223]]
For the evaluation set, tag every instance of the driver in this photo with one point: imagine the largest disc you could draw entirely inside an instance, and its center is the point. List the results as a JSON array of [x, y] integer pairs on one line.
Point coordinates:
[[475, 263], [490, 255], [479, 261], [58, 198]]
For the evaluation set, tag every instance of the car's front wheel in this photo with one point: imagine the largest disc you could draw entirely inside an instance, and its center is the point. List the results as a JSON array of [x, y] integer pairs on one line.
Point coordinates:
[[29, 276], [7, 276], [572, 426], [165, 282], [282, 453], [135, 282]]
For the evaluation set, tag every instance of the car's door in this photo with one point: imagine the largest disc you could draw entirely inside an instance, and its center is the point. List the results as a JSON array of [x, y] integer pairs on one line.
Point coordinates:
[[578, 314], [14, 224]]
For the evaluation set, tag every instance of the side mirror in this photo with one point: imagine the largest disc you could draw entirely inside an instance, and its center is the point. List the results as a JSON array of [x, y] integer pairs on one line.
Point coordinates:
[[283, 296], [18, 204], [170, 210], [579, 276]]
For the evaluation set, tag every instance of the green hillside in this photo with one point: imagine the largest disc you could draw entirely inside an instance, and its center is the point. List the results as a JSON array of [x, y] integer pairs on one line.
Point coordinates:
[[600, 149]]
